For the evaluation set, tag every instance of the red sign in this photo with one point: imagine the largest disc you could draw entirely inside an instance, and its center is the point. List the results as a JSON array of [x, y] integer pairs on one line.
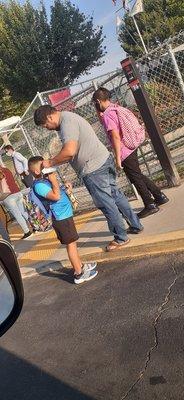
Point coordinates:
[[61, 100]]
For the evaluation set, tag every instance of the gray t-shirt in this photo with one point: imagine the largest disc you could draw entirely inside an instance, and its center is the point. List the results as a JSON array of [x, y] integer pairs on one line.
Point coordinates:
[[91, 154]]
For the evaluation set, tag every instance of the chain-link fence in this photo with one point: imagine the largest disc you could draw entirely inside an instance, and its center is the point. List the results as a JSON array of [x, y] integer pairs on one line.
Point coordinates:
[[162, 71]]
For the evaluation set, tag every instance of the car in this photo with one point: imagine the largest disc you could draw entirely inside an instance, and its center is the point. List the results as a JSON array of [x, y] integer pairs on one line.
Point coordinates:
[[11, 287]]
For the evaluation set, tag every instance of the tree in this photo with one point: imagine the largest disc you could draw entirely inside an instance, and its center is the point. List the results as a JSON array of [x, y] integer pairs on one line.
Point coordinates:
[[23, 49], [161, 19], [9, 107], [75, 45], [38, 54]]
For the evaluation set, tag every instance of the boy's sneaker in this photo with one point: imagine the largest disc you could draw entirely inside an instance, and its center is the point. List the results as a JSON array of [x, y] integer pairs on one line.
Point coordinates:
[[85, 276], [89, 266], [26, 235]]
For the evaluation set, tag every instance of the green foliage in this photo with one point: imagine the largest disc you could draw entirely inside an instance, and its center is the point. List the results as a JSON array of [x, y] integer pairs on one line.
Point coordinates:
[[75, 45], [9, 107], [37, 53], [161, 19]]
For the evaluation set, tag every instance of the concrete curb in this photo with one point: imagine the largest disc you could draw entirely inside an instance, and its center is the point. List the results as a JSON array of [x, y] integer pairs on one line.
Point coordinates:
[[140, 251], [128, 253]]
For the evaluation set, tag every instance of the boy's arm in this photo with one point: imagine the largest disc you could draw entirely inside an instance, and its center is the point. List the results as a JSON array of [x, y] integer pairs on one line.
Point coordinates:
[[53, 194], [116, 143]]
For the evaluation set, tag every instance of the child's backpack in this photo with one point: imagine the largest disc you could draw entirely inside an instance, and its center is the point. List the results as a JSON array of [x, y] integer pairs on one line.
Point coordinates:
[[39, 220]]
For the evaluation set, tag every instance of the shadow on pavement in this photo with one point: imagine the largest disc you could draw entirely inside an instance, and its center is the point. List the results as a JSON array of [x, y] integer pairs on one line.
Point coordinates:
[[22, 380], [63, 274]]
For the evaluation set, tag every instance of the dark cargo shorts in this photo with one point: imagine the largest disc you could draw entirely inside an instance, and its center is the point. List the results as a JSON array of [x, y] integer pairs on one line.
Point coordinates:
[[65, 230]]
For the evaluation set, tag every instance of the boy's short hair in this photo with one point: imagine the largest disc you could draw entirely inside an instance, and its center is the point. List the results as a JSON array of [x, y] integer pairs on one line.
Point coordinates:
[[101, 94], [34, 160], [42, 112]]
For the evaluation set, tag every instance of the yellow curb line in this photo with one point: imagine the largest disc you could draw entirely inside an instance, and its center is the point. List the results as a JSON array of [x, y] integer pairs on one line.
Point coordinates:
[[135, 252], [132, 252]]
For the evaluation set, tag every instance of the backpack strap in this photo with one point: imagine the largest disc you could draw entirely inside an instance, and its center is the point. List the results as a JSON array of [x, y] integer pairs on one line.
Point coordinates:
[[43, 200]]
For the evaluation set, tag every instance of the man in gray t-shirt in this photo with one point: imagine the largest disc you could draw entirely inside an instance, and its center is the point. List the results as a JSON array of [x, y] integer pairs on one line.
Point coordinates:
[[92, 161], [91, 153]]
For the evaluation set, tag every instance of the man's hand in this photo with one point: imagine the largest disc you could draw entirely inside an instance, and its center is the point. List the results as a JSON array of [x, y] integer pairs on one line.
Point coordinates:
[[46, 163]]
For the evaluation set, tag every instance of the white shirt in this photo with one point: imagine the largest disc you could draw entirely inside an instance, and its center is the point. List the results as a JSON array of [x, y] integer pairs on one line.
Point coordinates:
[[20, 162]]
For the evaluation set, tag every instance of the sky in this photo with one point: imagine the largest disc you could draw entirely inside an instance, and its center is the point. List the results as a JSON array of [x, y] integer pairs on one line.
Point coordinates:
[[103, 12]]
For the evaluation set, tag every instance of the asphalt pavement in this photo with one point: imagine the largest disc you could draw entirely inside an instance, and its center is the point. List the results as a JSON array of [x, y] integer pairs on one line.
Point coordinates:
[[117, 337]]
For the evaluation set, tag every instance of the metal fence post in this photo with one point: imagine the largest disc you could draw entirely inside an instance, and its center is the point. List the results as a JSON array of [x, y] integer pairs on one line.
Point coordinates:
[[40, 98], [5, 139], [1, 162], [95, 85], [176, 68], [135, 191]]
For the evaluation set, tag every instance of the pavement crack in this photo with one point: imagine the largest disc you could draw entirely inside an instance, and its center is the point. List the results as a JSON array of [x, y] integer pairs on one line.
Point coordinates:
[[160, 311]]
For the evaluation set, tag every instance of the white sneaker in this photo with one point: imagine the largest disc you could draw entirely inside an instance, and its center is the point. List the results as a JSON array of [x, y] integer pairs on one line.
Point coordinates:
[[85, 276], [89, 266]]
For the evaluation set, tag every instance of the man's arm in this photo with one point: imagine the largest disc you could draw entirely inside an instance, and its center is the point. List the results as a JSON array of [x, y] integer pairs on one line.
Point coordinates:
[[116, 143], [66, 154]]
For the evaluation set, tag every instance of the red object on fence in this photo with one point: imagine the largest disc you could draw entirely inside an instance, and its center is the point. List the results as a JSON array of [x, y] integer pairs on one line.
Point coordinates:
[[61, 100]]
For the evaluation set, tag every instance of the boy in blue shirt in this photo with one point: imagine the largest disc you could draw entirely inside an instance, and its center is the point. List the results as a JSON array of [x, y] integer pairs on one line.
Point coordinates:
[[55, 198]]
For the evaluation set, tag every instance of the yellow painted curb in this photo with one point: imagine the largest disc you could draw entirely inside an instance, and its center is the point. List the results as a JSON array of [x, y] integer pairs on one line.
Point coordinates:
[[171, 242]]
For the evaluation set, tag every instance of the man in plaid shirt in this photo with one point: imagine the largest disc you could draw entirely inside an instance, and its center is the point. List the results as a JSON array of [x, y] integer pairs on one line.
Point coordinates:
[[121, 126]]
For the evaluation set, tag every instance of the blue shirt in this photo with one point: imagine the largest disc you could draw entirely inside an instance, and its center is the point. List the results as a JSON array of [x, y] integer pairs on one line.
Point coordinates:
[[60, 209]]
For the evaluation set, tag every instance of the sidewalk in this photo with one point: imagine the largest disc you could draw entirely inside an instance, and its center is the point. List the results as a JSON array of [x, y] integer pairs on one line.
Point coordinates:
[[163, 233]]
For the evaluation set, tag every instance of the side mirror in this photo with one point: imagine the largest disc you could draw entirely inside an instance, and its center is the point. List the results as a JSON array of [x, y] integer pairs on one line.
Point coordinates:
[[11, 288]]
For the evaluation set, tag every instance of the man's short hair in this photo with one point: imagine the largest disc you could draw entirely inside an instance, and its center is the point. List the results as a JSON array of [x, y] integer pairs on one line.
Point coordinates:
[[34, 160], [8, 147], [41, 114], [101, 94]]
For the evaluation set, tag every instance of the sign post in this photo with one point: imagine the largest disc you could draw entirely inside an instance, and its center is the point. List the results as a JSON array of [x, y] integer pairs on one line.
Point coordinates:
[[150, 120]]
